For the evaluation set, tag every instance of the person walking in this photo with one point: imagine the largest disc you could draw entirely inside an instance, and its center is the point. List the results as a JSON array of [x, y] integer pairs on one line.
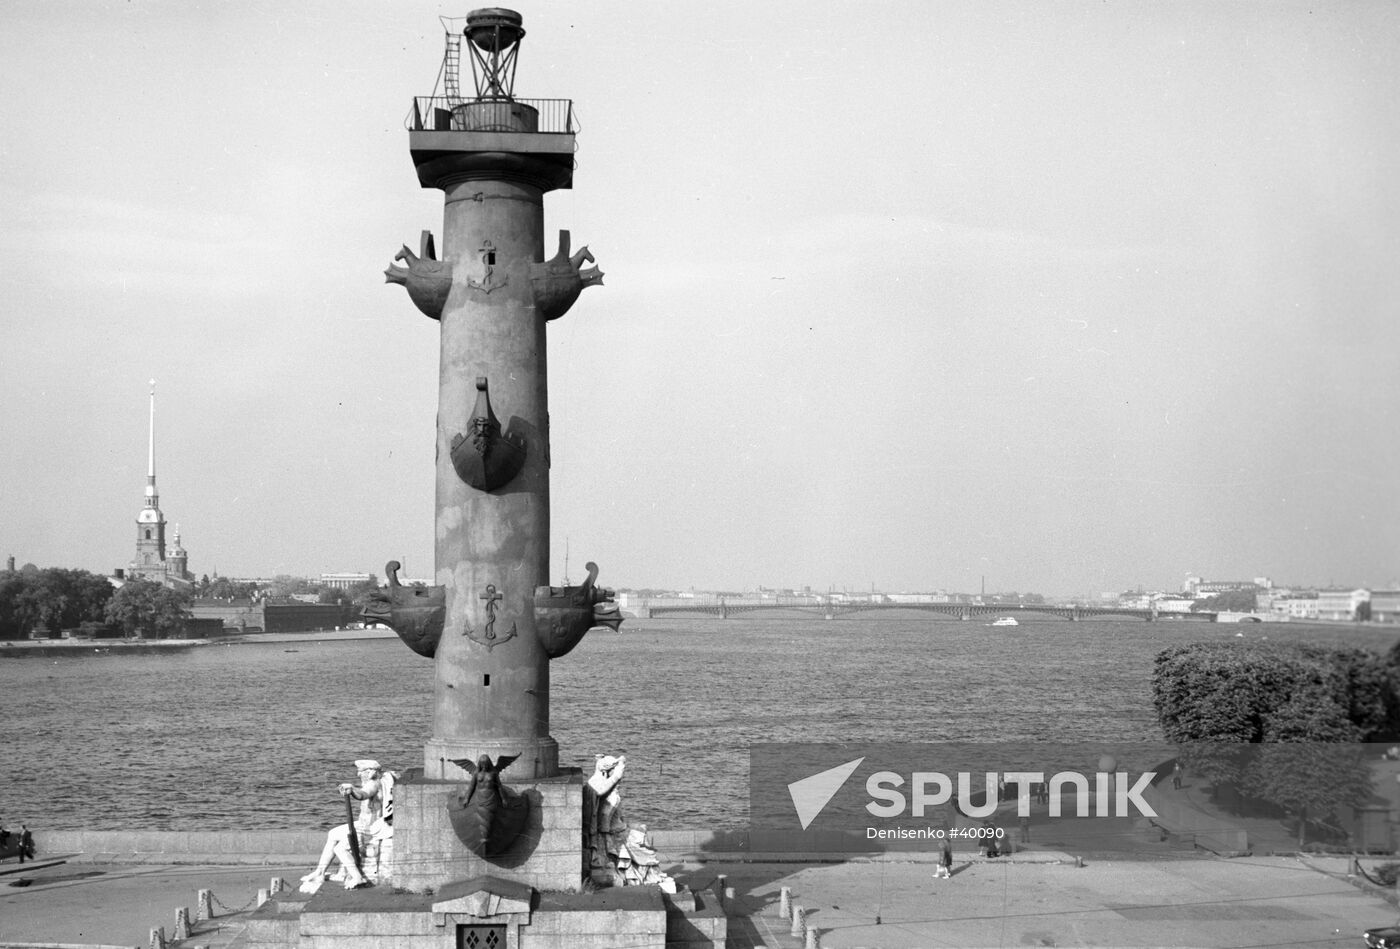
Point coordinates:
[[944, 870]]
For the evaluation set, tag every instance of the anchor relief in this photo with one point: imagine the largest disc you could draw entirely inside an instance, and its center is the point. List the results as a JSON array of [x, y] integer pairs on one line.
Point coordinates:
[[489, 280], [490, 636], [484, 457]]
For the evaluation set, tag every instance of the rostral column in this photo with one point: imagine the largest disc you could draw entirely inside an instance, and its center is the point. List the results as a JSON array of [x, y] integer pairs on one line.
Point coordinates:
[[494, 156]]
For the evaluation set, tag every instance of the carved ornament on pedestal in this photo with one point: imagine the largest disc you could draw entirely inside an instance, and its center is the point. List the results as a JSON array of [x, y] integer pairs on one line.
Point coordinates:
[[487, 816]]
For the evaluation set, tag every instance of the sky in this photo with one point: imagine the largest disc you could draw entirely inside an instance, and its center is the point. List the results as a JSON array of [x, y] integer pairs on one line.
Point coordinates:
[[1059, 297]]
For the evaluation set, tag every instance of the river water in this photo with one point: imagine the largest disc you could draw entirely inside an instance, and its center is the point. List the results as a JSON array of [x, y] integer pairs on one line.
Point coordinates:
[[257, 735]]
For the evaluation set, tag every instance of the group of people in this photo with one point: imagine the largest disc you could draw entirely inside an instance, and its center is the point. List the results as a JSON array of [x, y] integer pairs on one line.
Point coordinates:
[[1039, 791], [20, 842]]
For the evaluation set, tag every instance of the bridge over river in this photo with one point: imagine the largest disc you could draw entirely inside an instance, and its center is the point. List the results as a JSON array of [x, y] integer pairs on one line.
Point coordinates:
[[734, 607]]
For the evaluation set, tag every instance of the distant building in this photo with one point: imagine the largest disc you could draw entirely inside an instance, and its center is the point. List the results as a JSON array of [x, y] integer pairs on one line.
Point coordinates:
[[1340, 604], [1298, 606], [343, 581], [1199, 588], [257, 616], [1385, 606], [153, 560]]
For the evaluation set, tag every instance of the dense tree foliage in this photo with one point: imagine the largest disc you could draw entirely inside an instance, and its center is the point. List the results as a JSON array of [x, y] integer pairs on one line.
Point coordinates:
[[1278, 722], [1231, 601], [1262, 691], [148, 610], [54, 598], [224, 589], [355, 593]]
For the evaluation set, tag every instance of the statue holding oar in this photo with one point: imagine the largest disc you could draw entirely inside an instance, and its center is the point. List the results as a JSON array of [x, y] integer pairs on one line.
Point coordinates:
[[353, 842]]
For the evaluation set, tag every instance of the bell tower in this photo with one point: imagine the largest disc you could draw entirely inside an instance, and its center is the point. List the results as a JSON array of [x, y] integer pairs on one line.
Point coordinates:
[[150, 523]]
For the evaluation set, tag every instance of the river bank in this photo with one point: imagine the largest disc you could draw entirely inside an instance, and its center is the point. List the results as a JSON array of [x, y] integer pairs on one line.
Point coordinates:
[[41, 648]]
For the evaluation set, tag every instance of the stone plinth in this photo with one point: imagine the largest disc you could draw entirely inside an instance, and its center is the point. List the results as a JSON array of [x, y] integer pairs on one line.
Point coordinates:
[[696, 919], [377, 918], [632, 916], [488, 911], [548, 855]]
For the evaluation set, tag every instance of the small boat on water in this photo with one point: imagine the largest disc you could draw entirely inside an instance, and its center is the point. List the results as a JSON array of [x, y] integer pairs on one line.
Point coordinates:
[[1005, 621]]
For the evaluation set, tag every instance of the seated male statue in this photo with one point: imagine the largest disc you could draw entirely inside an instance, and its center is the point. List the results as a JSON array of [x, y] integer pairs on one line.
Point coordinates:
[[373, 832]]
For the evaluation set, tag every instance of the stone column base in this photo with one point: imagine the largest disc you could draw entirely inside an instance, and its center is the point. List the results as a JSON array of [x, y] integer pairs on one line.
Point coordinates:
[[547, 855], [537, 757]]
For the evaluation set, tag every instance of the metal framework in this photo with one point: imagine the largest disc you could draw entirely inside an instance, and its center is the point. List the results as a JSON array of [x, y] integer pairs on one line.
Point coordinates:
[[493, 42]]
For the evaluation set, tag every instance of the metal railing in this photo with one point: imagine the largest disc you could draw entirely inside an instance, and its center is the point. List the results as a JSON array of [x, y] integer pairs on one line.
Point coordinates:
[[444, 114]]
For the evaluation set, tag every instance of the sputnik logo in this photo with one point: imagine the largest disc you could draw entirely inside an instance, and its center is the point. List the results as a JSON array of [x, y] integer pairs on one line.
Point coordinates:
[[815, 792]]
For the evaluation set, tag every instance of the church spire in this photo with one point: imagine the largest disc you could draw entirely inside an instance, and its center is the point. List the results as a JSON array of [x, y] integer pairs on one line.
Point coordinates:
[[152, 498], [150, 523]]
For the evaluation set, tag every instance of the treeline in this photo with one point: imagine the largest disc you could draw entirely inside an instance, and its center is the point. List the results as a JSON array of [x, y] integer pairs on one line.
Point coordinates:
[[1279, 723], [282, 587], [59, 598]]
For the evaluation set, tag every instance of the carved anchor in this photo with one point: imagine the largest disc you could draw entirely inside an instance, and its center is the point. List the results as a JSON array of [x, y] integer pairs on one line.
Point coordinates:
[[484, 458], [488, 637], [488, 281]]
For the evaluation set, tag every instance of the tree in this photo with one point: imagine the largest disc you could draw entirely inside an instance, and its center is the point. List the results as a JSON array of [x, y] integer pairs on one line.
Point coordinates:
[[285, 585], [12, 584], [145, 609], [1312, 763], [364, 588], [333, 595], [1231, 601], [55, 598], [1278, 722], [223, 588]]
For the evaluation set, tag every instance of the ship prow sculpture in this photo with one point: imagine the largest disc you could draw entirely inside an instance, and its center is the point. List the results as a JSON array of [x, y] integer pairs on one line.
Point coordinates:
[[493, 843]]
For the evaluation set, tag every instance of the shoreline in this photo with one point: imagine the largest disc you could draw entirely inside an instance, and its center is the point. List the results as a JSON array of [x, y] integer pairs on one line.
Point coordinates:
[[36, 648]]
